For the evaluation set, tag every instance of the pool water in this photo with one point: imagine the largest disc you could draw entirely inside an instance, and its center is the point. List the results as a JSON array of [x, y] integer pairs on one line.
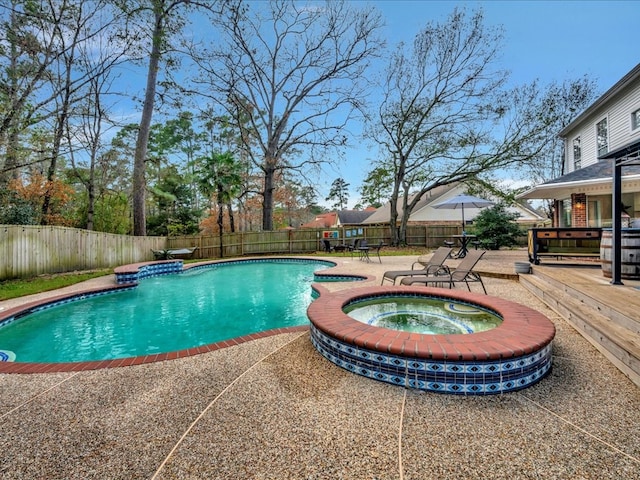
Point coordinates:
[[423, 315], [167, 313]]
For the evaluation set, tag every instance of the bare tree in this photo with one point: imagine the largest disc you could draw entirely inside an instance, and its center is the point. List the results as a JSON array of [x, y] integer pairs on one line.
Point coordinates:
[[295, 72], [560, 104], [85, 130], [445, 116], [30, 50]]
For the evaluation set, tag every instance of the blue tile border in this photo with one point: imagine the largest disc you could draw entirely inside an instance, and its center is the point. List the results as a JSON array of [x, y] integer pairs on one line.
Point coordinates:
[[454, 377], [153, 269]]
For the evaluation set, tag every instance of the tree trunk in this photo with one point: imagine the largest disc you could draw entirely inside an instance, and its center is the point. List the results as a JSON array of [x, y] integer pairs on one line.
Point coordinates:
[[220, 225], [61, 121], [267, 194], [140, 157], [232, 223]]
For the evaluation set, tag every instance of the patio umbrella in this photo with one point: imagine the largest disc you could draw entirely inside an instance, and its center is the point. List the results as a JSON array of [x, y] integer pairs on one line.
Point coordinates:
[[461, 201]]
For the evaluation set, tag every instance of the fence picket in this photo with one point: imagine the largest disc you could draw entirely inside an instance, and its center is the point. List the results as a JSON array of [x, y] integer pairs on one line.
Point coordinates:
[[29, 250]]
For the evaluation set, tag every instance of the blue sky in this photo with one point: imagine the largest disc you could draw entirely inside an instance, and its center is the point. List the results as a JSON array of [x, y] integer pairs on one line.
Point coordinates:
[[545, 40]]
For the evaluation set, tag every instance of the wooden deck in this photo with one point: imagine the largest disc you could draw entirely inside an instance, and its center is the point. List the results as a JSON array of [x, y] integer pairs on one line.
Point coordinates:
[[607, 315]]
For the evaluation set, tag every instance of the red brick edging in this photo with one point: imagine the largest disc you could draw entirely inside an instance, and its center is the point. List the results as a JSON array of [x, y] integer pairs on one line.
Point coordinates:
[[523, 330]]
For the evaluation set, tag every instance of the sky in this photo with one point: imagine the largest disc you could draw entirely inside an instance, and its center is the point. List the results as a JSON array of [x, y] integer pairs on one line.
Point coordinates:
[[545, 40]]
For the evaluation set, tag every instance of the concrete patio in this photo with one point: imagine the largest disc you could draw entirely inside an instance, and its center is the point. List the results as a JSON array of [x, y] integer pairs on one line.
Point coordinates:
[[273, 408]]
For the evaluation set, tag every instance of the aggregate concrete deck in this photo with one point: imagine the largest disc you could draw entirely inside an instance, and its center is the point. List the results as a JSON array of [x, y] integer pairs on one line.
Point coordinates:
[[273, 408]]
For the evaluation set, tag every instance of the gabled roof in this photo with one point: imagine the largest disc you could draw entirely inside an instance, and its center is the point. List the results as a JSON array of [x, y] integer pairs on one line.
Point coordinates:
[[324, 220], [383, 214], [425, 212], [621, 84], [353, 217]]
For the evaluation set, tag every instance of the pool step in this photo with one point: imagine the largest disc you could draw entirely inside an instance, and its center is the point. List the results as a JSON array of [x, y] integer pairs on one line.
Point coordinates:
[[612, 331]]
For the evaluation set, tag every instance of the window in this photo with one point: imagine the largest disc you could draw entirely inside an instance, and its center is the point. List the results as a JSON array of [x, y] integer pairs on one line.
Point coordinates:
[[577, 154], [601, 137], [635, 120]]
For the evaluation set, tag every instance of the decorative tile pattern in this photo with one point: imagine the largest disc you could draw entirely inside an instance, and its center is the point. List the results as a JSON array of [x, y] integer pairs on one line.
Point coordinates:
[[320, 277], [135, 273], [514, 355], [456, 377]]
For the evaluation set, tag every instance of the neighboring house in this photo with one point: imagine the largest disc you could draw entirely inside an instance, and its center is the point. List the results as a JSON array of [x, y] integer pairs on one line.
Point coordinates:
[[424, 212], [606, 132], [348, 218], [343, 218], [323, 220]]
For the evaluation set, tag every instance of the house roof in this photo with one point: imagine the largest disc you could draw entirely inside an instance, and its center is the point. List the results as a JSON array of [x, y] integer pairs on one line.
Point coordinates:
[[324, 220], [425, 212], [621, 84], [595, 178], [383, 214], [353, 217]]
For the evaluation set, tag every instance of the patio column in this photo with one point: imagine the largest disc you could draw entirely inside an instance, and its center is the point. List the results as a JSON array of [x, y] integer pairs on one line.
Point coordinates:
[[578, 210], [616, 234]]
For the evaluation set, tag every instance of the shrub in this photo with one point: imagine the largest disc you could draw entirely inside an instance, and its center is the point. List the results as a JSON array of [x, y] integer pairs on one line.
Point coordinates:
[[495, 227]]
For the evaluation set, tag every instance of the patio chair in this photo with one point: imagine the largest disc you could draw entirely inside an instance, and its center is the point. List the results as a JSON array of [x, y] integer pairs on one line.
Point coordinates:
[[353, 246], [431, 266], [376, 249], [463, 273], [327, 246]]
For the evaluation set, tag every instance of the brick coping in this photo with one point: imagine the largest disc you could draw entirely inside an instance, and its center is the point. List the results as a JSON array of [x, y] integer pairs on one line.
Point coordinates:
[[523, 330], [33, 367], [134, 269]]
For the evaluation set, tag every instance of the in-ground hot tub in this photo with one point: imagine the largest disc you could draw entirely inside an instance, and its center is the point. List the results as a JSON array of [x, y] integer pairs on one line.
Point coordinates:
[[514, 354]]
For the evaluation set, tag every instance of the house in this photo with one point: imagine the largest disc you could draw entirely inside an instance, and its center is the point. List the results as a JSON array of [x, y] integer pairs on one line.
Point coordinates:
[[323, 220], [603, 139], [425, 213], [343, 218]]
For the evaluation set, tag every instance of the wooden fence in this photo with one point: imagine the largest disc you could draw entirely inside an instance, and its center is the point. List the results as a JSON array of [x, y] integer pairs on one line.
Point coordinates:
[[305, 240], [27, 251]]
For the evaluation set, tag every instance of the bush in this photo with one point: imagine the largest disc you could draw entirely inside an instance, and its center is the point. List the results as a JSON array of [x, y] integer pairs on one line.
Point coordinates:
[[495, 227]]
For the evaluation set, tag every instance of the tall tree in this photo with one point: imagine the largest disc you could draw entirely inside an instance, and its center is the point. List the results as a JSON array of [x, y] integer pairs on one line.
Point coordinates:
[[293, 73], [445, 116], [26, 63], [164, 19], [46, 75], [339, 193], [376, 187], [87, 123], [561, 103]]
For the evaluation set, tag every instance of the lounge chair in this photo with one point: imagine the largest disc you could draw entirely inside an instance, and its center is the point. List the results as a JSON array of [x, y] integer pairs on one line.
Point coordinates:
[[432, 266], [173, 253], [463, 273]]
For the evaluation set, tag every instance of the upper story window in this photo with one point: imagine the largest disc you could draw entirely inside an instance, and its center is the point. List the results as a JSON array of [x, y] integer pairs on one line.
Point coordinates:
[[602, 138], [577, 154], [635, 120]]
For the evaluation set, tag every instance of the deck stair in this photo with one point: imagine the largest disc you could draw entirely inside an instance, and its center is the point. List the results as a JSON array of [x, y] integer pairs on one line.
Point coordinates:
[[607, 316]]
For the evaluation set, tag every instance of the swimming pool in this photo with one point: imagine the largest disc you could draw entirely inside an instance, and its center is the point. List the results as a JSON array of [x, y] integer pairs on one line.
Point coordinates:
[[166, 313]]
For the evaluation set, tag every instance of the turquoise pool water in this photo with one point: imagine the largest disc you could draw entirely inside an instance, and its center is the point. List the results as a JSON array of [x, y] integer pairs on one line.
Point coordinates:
[[430, 316], [167, 313]]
